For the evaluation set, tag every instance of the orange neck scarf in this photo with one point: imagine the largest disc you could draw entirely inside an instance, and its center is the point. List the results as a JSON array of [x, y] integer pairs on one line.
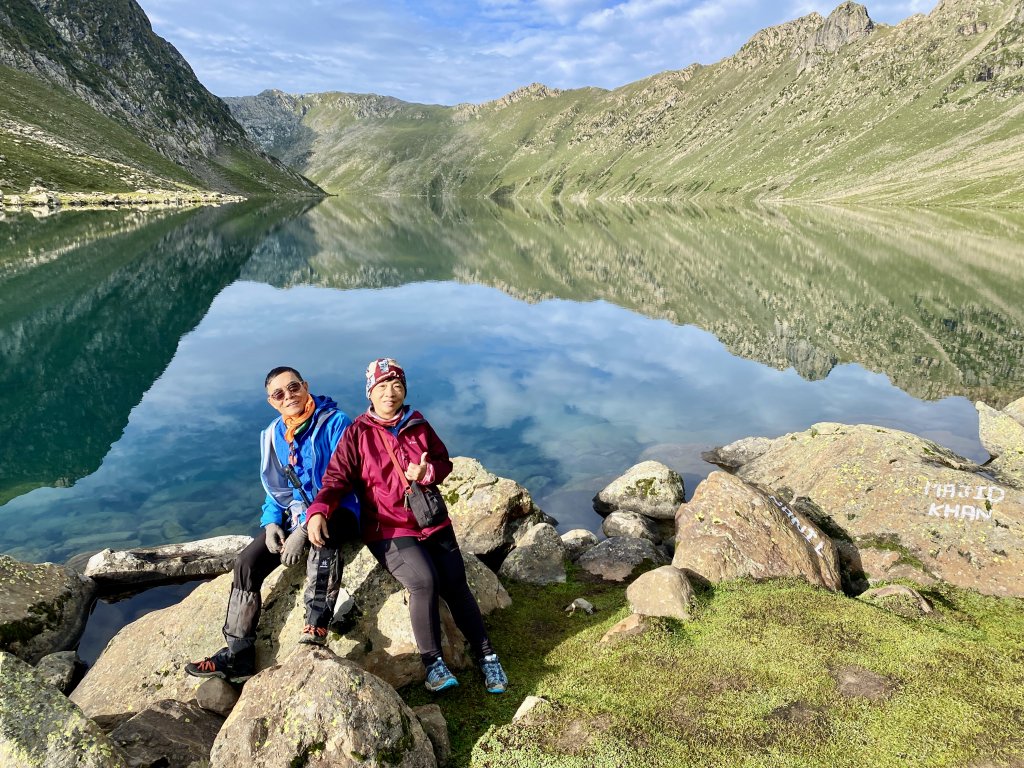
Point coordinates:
[[294, 422]]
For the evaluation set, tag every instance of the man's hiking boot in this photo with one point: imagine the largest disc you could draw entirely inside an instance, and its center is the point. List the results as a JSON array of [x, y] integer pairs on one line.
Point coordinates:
[[494, 676], [223, 665], [313, 635], [439, 677]]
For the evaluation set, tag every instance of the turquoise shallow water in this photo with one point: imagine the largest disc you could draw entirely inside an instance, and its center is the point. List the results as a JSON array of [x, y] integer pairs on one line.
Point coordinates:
[[135, 351]]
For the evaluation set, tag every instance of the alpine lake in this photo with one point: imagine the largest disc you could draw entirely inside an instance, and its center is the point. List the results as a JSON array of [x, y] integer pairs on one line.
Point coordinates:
[[557, 344]]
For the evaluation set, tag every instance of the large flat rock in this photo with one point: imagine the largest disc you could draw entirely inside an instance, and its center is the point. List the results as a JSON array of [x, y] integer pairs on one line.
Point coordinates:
[[888, 490], [731, 530], [150, 565]]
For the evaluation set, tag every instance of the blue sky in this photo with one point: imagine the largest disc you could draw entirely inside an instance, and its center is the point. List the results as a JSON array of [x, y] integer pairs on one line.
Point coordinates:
[[446, 52]]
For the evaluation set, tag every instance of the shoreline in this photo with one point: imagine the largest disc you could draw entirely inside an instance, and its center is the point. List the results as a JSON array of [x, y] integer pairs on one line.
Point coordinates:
[[37, 199]]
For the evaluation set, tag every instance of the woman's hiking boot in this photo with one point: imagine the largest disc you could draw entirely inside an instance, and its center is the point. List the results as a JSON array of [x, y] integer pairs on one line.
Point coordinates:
[[223, 665], [494, 675], [439, 677]]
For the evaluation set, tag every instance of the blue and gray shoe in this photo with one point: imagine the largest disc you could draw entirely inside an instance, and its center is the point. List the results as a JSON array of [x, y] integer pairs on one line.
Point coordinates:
[[494, 676], [439, 677]]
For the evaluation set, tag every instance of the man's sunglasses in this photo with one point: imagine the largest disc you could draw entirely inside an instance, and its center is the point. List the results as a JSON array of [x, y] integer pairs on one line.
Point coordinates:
[[279, 394]]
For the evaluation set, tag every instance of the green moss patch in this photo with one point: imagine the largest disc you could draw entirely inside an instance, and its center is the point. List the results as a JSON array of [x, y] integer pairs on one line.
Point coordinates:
[[751, 681]]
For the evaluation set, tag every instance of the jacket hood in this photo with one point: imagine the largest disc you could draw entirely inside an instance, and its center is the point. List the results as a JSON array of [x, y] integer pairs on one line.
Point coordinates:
[[323, 401]]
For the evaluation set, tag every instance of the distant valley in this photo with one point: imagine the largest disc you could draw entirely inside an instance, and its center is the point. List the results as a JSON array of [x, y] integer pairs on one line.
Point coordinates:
[[836, 109]]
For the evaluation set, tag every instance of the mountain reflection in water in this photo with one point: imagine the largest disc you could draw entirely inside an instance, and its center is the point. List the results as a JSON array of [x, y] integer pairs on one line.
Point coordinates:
[[145, 350]]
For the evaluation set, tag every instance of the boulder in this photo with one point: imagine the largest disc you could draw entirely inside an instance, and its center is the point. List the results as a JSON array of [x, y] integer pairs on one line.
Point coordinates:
[[388, 647], [436, 728], [144, 662], [1003, 437], [731, 530], [487, 510], [577, 541], [899, 599], [216, 695], [1016, 408], [620, 558], [539, 557], [193, 559], [735, 455], [890, 490], [315, 709], [632, 626], [648, 488], [40, 728], [42, 607], [382, 639], [632, 525], [59, 669], [530, 703], [168, 733], [664, 591]]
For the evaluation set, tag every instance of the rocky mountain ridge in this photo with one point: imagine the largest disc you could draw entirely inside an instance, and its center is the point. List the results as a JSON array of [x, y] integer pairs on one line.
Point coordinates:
[[825, 109], [107, 55]]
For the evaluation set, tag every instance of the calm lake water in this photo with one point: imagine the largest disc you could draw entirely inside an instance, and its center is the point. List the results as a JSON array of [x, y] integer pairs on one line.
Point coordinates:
[[557, 345]]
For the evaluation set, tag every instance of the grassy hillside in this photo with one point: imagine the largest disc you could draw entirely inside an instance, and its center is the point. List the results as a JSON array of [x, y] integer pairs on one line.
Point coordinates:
[[776, 674], [837, 109], [104, 54], [48, 134]]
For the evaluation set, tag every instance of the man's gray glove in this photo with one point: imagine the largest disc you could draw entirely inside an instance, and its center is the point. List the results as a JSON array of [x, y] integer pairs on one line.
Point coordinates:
[[275, 537], [294, 546]]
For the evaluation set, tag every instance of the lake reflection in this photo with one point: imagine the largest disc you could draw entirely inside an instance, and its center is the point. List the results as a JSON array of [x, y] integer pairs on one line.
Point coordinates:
[[561, 394]]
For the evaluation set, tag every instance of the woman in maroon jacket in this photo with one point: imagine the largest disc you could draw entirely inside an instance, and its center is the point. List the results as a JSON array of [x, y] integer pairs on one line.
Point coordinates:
[[426, 561]]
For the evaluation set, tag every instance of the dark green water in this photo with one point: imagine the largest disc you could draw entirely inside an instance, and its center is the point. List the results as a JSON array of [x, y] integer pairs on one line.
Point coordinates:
[[557, 345]]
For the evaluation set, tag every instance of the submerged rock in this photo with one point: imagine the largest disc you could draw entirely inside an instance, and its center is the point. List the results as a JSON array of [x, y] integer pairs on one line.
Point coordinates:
[[899, 599], [892, 491], [42, 607], [648, 488], [731, 530], [318, 710], [40, 728]]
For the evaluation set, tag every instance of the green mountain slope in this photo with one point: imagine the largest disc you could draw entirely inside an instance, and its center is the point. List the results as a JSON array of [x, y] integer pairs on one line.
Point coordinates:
[[928, 111], [104, 54]]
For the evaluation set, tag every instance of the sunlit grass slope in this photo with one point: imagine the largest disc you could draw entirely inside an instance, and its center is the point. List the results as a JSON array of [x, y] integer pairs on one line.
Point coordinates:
[[751, 681], [49, 134], [929, 111]]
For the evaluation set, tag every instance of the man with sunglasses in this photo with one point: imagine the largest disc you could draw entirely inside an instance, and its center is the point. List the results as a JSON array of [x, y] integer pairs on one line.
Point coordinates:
[[294, 451]]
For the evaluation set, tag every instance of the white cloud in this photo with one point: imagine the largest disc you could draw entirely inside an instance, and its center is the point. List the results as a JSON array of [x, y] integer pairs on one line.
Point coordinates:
[[440, 51]]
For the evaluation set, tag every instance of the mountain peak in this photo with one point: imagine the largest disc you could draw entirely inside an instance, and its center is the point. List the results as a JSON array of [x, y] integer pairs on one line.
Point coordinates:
[[848, 23], [776, 43], [531, 92]]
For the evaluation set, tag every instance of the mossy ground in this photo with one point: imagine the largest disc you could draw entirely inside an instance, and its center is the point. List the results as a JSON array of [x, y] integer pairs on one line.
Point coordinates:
[[751, 681]]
